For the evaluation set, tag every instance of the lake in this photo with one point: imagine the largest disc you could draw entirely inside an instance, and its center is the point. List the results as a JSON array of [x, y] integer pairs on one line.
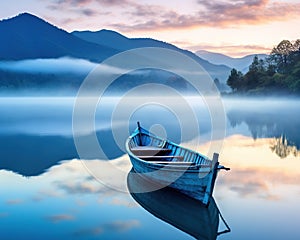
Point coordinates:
[[53, 188]]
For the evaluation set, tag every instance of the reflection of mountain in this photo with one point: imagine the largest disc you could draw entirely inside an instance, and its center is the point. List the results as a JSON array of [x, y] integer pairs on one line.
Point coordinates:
[[273, 121], [182, 212], [31, 155], [36, 133]]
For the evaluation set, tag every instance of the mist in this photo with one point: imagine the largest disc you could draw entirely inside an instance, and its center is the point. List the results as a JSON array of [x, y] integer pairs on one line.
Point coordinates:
[[58, 65]]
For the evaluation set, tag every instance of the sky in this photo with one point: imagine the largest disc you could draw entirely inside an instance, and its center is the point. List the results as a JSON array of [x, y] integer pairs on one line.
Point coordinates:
[[232, 27]]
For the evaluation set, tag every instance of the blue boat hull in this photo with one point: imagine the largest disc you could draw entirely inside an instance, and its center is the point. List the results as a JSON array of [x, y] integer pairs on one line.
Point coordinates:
[[193, 183], [165, 163]]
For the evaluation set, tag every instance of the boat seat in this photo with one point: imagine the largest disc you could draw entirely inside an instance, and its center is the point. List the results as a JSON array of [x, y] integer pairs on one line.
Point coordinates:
[[155, 157], [149, 150], [205, 165], [174, 163]]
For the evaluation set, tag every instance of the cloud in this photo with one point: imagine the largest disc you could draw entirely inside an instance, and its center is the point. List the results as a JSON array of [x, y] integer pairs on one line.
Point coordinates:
[[210, 14], [121, 226], [45, 194], [79, 187], [231, 50], [81, 8], [80, 182], [113, 2], [116, 226], [60, 217], [81, 3], [118, 201], [86, 232], [14, 201], [254, 188], [253, 11], [206, 13], [232, 47], [256, 172], [142, 10], [72, 2], [89, 12], [253, 182]]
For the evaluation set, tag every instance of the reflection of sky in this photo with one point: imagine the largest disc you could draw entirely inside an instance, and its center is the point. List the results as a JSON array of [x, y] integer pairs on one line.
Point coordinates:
[[260, 192], [66, 202], [259, 196]]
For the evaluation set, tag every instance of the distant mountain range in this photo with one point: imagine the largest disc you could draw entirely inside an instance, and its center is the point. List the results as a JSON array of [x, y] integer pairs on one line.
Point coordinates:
[[241, 64], [29, 37], [118, 41]]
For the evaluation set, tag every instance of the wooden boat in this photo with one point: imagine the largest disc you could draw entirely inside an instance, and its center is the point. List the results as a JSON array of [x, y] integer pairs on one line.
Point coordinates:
[[168, 164], [181, 211]]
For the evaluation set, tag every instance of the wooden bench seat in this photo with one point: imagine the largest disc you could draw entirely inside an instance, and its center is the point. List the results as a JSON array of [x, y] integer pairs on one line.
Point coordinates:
[[174, 163], [155, 157], [149, 150]]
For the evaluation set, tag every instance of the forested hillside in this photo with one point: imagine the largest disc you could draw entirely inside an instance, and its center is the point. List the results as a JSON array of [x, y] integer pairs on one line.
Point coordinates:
[[279, 73]]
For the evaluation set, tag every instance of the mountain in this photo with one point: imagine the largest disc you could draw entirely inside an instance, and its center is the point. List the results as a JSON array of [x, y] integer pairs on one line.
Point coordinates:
[[28, 37], [114, 39], [240, 64], [118, 41]]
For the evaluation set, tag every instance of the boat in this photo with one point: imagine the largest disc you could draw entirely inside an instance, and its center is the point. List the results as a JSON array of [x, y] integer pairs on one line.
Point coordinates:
[[168, 164], [179, 210]]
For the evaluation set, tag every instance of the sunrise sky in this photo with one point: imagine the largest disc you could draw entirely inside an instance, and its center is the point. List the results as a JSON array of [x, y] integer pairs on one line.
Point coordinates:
[[233, 27]]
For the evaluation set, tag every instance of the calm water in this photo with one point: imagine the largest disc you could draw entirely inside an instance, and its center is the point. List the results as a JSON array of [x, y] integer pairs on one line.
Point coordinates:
[[47, 192]]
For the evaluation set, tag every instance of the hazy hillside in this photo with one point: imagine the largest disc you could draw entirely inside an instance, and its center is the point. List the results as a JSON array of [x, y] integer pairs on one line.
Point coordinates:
[[116, 40], [27, 37], [240, 64]]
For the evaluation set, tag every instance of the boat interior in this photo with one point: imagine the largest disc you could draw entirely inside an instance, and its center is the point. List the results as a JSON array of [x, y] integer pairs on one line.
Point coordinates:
[[151, 148]]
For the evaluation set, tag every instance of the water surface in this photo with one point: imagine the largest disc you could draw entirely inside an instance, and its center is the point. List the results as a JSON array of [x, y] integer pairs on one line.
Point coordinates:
[[47, 192]]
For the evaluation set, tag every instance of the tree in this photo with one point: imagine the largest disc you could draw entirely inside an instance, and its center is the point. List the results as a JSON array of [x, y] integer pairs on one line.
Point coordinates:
[[235, 80], [254, 67], [279, 72], [296, 46], [257, 76], [279, 55]]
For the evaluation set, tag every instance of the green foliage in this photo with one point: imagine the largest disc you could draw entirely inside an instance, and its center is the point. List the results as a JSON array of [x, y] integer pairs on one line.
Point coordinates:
[[235, 80], [280, 72]]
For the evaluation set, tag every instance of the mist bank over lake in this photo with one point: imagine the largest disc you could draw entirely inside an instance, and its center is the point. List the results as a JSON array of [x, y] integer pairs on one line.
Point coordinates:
[[65, 76]]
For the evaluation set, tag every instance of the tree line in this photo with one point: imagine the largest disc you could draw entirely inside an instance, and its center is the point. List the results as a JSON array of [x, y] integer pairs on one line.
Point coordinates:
[[279, 72]]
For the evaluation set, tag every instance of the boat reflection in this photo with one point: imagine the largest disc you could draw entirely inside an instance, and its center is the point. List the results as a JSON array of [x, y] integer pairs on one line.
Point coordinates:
[[177, 209]]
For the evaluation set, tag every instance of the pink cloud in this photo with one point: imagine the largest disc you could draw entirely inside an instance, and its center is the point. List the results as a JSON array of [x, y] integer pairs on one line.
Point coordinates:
[[208, 13]]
